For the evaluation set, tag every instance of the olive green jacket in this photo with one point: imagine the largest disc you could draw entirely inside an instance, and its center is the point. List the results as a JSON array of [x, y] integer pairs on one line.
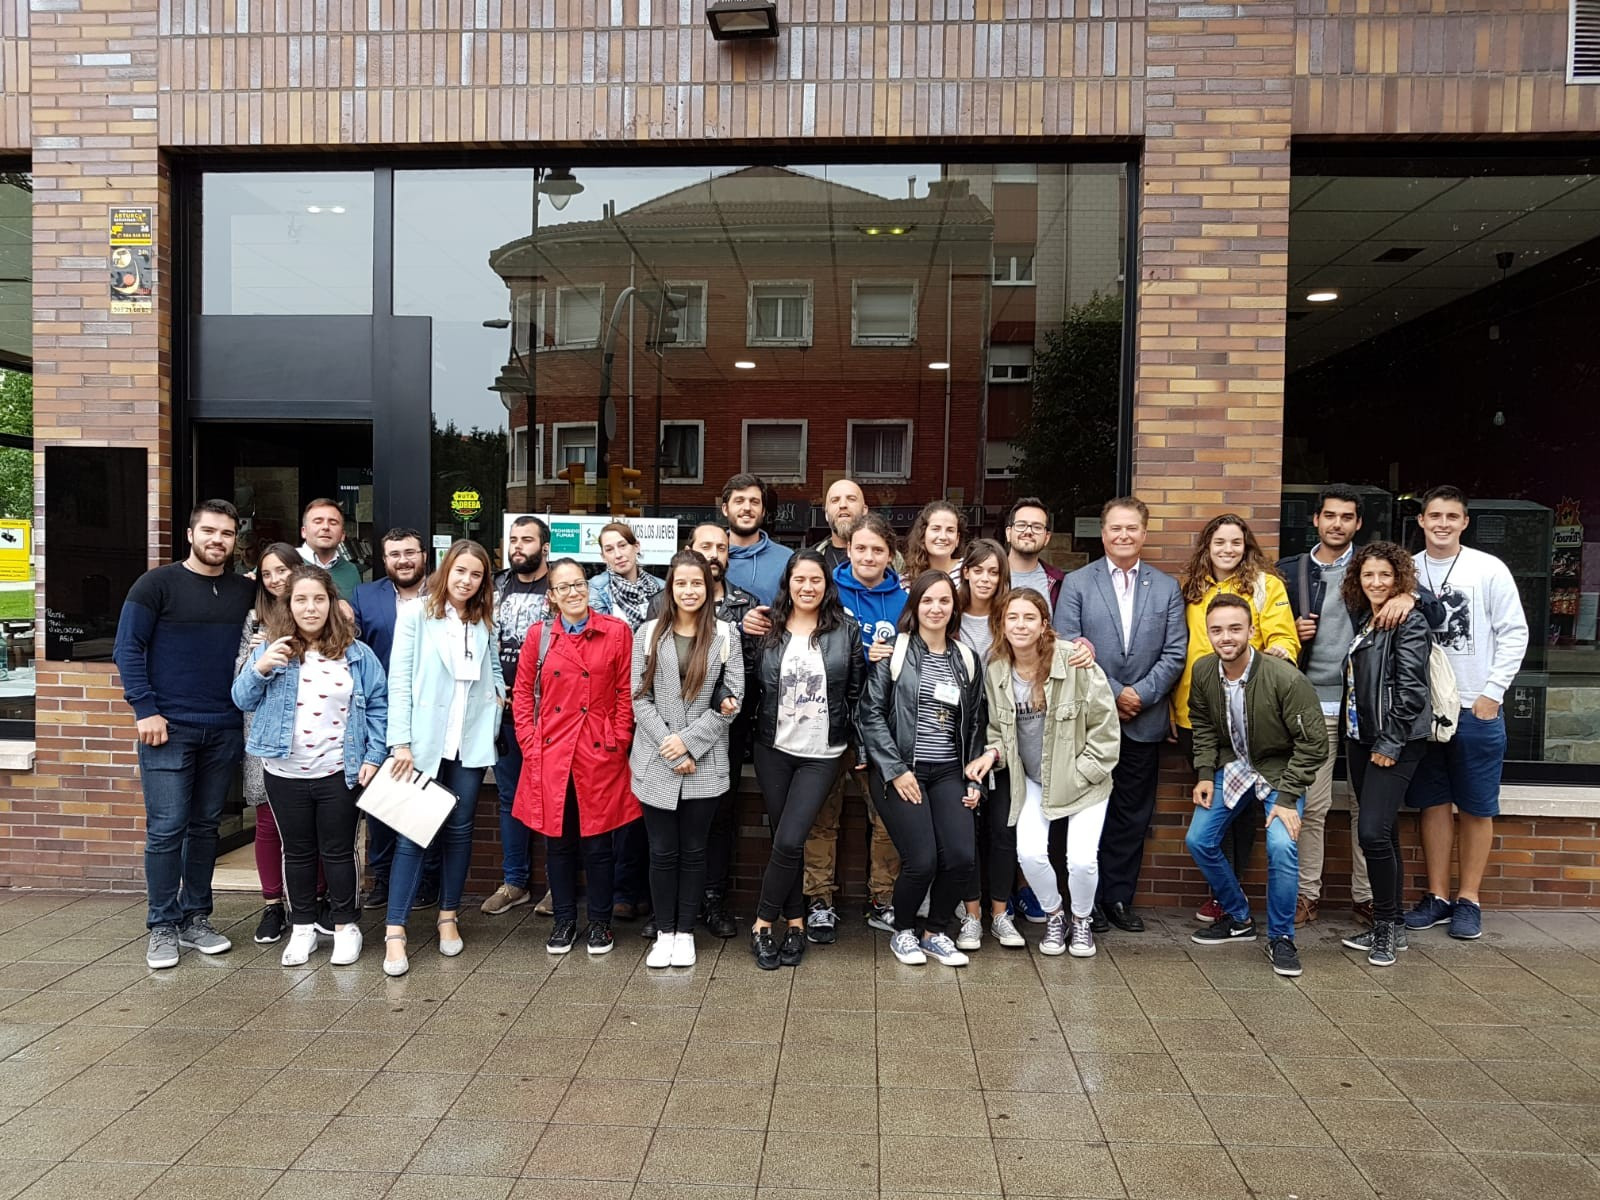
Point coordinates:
[[1287, 736], [1082, 735]]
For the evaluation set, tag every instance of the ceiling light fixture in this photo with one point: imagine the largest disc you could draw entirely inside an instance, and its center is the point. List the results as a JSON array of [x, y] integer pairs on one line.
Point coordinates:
[[745, 365], [560, 186], [938, 366], [337, 208], [1325, 296], [742, 20], [313, 208]]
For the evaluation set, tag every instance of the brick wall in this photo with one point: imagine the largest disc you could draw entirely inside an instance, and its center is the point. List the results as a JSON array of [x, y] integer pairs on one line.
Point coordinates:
[[98, 90]]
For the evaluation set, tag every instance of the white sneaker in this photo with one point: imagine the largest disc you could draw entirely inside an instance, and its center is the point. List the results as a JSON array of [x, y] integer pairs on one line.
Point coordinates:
[[683, 949], [904, 945], [969, 934], [941, 949], [661, 952], [346, 945], [1005, 930], [301, 943]]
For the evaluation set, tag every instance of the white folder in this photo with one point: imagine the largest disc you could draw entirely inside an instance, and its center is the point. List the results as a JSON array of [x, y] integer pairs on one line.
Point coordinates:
[[414, 806]]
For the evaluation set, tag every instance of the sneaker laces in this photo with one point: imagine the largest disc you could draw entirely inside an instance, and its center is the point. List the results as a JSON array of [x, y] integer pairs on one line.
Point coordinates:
[[1082, 935], [1056, 925], [822, 916], [1383, 938], [904, 942]]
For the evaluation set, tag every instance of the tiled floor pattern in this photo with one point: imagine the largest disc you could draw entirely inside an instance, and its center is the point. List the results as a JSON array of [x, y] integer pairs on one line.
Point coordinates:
[[1158, 1070]]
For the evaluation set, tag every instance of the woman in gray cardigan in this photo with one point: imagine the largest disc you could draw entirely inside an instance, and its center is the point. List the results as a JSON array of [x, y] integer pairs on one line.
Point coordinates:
[[688, 683]]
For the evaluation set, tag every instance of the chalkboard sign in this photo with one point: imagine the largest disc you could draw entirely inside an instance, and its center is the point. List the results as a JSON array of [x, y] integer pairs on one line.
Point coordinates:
[[96, 545]]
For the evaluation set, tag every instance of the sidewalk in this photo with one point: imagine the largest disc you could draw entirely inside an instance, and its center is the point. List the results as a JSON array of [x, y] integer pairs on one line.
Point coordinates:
[[1159, 1069]]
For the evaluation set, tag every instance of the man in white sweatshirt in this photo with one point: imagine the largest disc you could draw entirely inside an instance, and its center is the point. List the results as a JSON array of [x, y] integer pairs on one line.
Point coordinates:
[[1485, 634]]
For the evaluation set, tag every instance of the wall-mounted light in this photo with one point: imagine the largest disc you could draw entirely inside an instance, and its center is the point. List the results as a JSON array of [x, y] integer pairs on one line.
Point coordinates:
[[560, 186], [745, 365], [885, 230], [741, 20], [938, 366], [1326, 296]]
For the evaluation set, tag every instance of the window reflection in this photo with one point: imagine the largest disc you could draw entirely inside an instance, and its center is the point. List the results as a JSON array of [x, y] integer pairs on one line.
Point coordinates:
[[17, 578], [1441, 331]]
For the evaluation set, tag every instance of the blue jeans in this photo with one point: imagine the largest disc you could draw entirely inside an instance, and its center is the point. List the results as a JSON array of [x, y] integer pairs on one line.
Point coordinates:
[[186, 781], [1204, 842], [454, 839], [380, 855], [516, 866]]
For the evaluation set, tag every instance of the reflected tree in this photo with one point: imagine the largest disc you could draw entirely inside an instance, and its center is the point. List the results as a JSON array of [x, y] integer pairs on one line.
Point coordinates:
[[16, 466], [469, 460], [1069, 443]]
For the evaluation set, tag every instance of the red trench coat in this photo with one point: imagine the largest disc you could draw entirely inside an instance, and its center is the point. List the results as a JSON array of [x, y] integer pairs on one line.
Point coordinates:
[[584, 731]]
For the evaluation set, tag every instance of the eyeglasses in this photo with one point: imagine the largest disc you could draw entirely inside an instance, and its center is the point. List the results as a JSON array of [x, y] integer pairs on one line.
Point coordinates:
[[569, 589], [400, 555], [1029, 526]]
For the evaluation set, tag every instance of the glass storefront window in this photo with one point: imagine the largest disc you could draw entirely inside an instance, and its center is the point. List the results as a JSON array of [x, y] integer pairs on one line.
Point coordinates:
[[287, 243], [932, 328], [1441, 330], [17, 586]]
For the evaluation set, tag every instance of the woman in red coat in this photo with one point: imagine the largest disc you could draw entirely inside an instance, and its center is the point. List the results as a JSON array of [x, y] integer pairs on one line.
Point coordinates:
[[573, 706]]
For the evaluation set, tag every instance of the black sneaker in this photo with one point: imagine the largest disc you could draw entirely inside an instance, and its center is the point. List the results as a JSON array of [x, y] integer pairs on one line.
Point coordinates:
[[765, 949], [1225, 929], [427, 897], [599, 937], [378, 897], [323, 922], [822, 923], [648, 930], [793, 948], [562, 937], [273, 923], [714, 916], [1283, 957]]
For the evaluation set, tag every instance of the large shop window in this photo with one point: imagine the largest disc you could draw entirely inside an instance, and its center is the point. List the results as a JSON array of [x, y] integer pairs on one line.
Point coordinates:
[[1442, 319], [17, 586]]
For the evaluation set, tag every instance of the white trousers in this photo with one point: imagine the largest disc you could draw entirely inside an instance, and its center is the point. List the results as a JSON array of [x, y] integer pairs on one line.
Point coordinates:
[[1083, 853]]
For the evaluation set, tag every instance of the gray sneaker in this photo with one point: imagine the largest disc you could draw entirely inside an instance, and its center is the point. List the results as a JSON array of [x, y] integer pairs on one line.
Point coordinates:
[[197, 933], [1055, 934], [162, 950], [1005, 930], [1082, 944], [970, 934]]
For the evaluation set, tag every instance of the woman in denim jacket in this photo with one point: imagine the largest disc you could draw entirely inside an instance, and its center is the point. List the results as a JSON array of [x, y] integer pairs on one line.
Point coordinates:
[[321, 706]]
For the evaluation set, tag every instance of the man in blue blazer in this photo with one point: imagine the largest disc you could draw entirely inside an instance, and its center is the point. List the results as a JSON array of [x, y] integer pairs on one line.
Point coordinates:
[[376, 605], [1133, 616]]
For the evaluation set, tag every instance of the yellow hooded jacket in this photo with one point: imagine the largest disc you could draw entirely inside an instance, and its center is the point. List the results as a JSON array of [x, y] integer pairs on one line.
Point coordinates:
[[1273, 627]]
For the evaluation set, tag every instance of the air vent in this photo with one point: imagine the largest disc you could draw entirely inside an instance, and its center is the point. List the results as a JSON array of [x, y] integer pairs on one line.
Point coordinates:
[[1583, 46], [1396, 254]]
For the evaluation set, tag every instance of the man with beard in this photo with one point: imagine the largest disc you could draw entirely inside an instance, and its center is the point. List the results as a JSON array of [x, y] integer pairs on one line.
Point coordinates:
[[322, 528], [377, 607], [1027, 534], [842, 505], [176, 640], [521, 604], [733, 604], [755, 561]]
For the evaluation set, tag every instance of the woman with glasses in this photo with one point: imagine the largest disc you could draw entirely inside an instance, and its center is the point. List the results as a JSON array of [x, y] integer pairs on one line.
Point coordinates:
[[573, 707], [445, 696]]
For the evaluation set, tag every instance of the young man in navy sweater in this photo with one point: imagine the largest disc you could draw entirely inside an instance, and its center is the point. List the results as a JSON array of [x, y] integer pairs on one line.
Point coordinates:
[[175, 648]]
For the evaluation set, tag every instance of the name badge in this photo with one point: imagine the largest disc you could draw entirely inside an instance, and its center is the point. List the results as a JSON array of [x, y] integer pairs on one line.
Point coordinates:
[[947, 693]]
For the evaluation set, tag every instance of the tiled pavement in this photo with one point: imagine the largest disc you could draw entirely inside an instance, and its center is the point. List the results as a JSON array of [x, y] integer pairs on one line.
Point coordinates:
[[1159, 1069]]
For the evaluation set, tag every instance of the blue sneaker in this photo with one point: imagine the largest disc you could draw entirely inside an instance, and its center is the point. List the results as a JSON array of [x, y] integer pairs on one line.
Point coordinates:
[[1466, 922], [1028, 905], [1431, 910]]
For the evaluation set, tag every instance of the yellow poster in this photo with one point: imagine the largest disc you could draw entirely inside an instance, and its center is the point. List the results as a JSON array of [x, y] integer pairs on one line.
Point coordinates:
[[16, 538]]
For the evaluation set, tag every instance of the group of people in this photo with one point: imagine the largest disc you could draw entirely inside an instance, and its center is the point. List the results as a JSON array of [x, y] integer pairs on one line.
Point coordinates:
[[1002, 719]]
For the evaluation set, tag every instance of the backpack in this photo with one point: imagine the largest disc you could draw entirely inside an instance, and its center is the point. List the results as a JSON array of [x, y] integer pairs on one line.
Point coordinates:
[[902, 645], [1444, 696]]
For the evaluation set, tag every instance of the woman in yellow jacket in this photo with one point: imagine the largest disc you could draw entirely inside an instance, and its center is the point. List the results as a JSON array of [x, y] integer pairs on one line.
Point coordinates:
[[1227, 557]]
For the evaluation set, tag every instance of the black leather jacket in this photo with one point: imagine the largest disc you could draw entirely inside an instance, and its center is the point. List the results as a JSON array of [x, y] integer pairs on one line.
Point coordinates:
[[1389, 670], [887, 717], [842, 662]]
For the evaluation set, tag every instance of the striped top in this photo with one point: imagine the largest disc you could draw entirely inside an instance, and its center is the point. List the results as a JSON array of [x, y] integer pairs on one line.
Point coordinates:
[[938, 724]]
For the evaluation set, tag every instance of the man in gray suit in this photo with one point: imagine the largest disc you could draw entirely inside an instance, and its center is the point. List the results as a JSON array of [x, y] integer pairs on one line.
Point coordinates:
[[1133, 616]]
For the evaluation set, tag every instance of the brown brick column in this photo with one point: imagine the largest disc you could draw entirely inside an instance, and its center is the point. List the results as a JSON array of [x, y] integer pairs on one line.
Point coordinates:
[[1213, 278], [99, 380]]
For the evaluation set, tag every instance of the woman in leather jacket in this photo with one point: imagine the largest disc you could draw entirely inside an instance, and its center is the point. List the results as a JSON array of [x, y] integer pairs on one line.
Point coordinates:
[[1387, 716], [807, 672], [923, 720]]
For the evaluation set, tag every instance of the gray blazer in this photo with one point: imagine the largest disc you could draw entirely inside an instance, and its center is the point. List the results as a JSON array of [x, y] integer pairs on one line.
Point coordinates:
[[1153, 662], [661, 711]]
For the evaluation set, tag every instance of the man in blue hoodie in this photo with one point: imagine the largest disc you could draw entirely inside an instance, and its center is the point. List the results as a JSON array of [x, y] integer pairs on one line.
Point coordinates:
[[870, 592], [755, 561]]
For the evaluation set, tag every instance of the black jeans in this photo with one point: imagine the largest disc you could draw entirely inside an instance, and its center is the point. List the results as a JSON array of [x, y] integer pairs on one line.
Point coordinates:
[[1128, 816], [562, 855], [678, 861], [793, 789], [630, 863], [994, 864], [723, 839], [316, 818], [1380, 791], [936, 843]]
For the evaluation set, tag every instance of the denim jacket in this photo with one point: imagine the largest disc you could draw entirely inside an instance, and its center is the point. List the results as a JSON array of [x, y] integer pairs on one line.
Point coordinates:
[[272, 699]]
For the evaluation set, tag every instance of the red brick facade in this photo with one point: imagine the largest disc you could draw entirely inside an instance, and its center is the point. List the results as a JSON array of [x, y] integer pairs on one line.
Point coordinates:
[[106, 95]]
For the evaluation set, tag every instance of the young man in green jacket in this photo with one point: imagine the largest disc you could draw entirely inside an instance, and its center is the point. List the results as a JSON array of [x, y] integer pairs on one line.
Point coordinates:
[[1258, 736]]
